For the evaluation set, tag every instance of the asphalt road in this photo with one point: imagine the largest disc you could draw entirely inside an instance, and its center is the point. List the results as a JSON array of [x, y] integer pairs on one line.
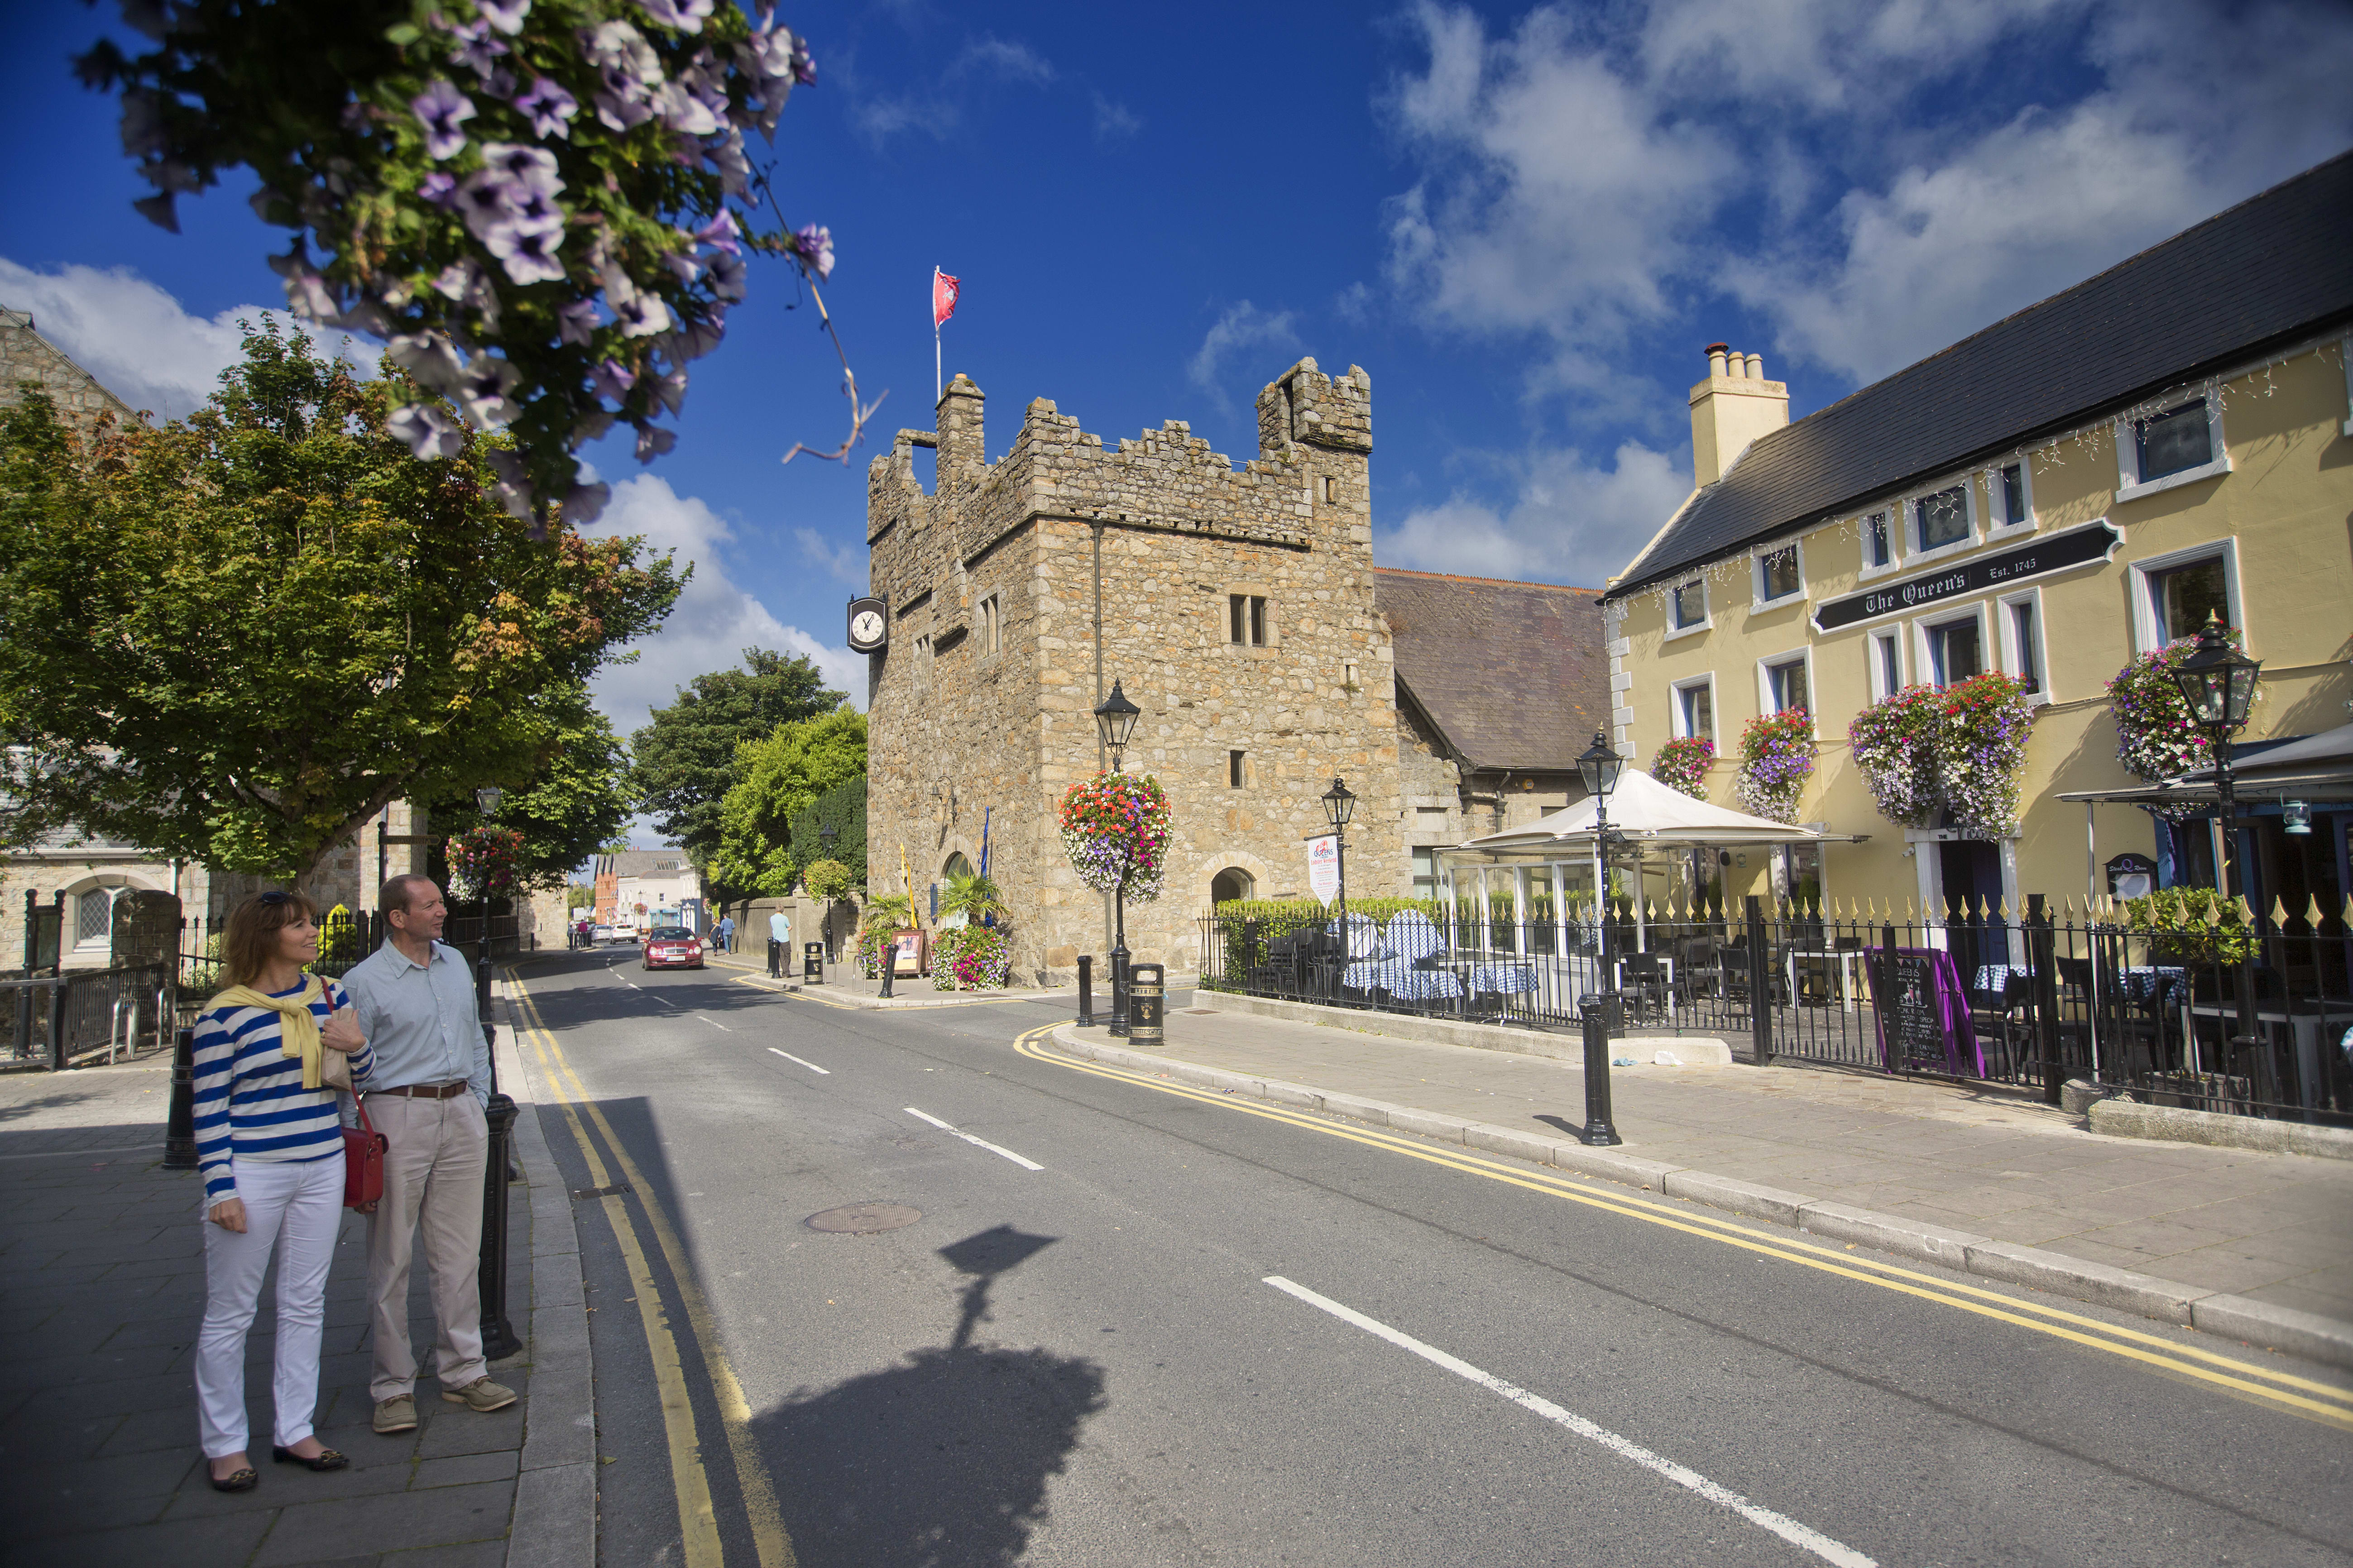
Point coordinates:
[[1200, 1334]]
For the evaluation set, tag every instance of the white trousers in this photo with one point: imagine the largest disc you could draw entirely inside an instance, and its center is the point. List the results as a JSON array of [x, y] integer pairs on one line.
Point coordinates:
[[293, 1210]]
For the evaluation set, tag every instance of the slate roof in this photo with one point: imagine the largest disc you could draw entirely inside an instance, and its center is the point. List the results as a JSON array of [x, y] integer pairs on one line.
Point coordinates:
[[1513, 675], [642, 863], [2274, 268]]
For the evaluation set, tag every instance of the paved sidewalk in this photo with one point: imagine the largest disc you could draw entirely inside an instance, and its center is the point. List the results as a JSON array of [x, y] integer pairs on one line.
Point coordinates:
[[2277, 1228], [102, 1292]]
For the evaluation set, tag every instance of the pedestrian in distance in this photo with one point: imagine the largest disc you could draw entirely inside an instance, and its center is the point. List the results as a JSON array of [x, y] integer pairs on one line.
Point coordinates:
[[780, 941], [427, 1096], [269, 1147], [727, 933]]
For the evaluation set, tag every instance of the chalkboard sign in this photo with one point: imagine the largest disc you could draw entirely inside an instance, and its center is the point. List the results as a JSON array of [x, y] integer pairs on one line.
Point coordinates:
[[1924, 1014]]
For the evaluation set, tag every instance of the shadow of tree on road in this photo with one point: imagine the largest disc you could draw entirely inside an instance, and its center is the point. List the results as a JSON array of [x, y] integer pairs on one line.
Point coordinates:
[[942, 1461]]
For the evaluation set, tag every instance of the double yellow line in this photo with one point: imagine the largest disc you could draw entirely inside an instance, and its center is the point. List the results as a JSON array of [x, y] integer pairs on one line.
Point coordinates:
[[2302, 1396], [698, 1522]]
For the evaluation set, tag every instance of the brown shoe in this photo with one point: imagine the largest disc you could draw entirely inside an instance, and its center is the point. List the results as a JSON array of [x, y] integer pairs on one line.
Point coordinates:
[[396, 1414], [482, 1395]]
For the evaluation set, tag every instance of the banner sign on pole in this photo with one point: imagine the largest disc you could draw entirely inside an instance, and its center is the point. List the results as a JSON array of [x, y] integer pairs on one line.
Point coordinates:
[[1324, 868]]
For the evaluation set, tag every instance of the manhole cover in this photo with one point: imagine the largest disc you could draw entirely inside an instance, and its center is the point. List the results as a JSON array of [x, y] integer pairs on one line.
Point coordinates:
[[863, 1219]]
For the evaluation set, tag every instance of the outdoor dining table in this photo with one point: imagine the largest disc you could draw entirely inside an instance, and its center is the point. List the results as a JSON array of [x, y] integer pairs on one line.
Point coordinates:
[[2307, 1021]]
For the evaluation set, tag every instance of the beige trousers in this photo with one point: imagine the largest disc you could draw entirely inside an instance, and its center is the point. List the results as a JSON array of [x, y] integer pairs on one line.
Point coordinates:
[[433, 1186]]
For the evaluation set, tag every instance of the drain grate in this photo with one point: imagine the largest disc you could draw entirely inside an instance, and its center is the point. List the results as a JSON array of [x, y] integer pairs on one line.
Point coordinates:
[[1201, 1011], [863, 1219], [581, 1195]]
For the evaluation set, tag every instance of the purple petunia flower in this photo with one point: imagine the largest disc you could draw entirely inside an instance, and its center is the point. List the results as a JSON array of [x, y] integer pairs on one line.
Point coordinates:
[[482, 391], [506, 16], [428, 357], [438, 188], [613, 379], [532, 167], [814, 245], [686, 15], [653, 441], [476, 48], [442, 110], [579, 322], [526, 248], [719, 232], [641, 316], [726, 155], [727, 276], [549, 109], [425, 430]]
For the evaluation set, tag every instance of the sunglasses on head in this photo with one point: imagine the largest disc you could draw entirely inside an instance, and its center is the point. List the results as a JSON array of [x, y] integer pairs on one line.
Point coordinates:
[[275, 899]]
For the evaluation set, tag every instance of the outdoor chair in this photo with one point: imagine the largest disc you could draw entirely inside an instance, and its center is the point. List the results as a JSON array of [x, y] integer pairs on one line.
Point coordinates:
[[1644, 983], [1997, 1014]]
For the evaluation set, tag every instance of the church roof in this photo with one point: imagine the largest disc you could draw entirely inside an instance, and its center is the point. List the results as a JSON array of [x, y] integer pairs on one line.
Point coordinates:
[[1513, 675]]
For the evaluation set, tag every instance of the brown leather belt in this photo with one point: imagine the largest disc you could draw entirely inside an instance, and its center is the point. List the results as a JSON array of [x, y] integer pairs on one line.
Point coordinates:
[[428, 1090]]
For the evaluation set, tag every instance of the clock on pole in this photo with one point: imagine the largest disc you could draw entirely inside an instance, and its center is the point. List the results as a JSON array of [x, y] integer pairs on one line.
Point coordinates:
[[869, 624]]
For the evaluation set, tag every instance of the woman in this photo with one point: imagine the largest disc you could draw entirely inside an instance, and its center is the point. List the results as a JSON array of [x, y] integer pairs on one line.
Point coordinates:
[[269, 1146]]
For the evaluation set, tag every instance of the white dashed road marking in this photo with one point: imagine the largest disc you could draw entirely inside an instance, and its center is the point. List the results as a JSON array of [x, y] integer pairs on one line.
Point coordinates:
[[811, 1065], [977, 1142]]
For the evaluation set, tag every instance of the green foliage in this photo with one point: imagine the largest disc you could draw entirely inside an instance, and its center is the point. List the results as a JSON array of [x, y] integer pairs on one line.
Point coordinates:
[[827, 879], [235, 639], [2193, 925], [777, 777], [577, 897], [843, 809], [886, 913], [973, 896], [574, 801], [685, 759]]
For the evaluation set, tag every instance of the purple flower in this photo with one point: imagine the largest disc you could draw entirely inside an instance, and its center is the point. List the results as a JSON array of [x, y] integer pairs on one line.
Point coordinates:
[[585, 503], [441, 110], [613, 379], [653, 441], [684, 112], [533, 167], [670, 388], [438, 188], [727, 275], [428, 357], [476, 48], [686, 15], [683, 267], [526, 248], [506, 16], [307, 293], [726, 155], [483, 390], [641, 316], [814, 245], [621, 114], [487, 198], [720, 232], [549, 108], [579, 322], [425, 430]]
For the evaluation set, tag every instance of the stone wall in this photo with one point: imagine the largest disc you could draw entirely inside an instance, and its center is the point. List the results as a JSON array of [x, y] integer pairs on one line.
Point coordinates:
[[25, 355], [981, 706]]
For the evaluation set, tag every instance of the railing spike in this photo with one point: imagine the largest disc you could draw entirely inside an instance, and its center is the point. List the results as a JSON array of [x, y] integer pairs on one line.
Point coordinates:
[[2003, 909], [2279, 912], [2246, 911]]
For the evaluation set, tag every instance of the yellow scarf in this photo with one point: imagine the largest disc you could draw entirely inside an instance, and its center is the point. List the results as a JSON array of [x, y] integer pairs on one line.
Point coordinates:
[[298, 1030]]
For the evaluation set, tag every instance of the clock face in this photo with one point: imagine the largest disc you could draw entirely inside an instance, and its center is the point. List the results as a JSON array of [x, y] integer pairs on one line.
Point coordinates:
[[869, 625]]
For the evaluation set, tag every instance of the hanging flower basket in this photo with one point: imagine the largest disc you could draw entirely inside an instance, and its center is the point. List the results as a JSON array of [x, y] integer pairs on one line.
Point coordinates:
[[484, 862], [1981, 752], [1681, 765], [2156, 737], [1776, 757], [1115, 830], [1894, 744]]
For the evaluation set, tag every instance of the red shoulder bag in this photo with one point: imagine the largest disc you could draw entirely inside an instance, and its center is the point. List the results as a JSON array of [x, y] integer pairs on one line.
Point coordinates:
[[363, 1152]]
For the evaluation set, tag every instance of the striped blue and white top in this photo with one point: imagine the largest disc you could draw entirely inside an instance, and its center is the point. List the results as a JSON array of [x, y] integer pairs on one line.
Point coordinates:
[[250, 1102]]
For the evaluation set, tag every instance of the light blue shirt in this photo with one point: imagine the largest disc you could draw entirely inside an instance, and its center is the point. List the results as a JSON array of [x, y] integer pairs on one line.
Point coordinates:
[[420, 1020]]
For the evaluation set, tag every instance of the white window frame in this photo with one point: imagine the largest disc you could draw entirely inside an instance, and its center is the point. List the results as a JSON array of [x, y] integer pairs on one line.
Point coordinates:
[[2010, 661], [1676, 724], [1990, 477], [1708, 609], [104, 939], [1908, 518], [1765, 703], [1758, 601], [1894, 515], [2129, 484], [1874, 667], [1924, 655], [2148, 635]]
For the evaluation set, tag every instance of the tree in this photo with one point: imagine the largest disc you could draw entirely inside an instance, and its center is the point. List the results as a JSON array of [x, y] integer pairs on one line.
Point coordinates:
[[843, 809], [686, 758], [235, 639], [571, 803], [578, 895], [780, 776]]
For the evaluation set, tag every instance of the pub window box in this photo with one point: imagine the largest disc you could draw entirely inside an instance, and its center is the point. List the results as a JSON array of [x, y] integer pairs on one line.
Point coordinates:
[[2174, 447], [1687, 609]]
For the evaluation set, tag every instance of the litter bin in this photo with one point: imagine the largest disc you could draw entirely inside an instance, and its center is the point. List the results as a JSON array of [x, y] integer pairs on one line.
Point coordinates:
[[813, 963], [1147, 997]]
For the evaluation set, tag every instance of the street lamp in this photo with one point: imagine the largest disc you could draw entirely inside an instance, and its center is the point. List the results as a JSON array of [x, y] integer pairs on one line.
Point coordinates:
[[1600, 766], [2218, 682], [1116, 717], [1338, 806], [498, 1337]]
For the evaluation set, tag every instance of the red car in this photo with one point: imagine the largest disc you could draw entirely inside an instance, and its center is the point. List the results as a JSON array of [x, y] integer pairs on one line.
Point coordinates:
[[671, 947]]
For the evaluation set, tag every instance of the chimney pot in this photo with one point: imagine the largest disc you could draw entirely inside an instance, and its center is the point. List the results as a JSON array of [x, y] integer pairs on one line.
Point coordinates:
[[1715, 352], [1755, 368]]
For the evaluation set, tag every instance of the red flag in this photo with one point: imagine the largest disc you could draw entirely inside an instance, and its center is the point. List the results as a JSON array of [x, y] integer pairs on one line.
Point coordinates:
[[945, 291]]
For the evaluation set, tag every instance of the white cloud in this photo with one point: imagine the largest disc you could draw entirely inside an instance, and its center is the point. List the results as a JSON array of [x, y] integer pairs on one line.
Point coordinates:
[[844, 562], [1004, 61], [938, 107], [132, 335], [1569, 522], [1114, 119], [714, 620], [1243, 326]]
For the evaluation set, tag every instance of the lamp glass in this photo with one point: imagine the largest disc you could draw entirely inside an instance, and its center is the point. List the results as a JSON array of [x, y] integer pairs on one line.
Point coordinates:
[[1599, 765], [1116, 717], [487, 798], [2217, 681], [1339, 804]]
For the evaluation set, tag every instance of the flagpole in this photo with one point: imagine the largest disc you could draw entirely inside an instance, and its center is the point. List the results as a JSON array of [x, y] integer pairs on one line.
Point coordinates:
[[939, 379]]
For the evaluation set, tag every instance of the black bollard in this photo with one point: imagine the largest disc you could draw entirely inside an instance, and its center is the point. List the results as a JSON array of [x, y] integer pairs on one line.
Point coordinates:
[[1086, 990], [1119, 978], [1597, 1131], [180, 1126], [499, 1339]]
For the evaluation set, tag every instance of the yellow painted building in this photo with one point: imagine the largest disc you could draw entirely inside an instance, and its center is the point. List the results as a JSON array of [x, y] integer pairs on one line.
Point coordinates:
[[2072, 487]]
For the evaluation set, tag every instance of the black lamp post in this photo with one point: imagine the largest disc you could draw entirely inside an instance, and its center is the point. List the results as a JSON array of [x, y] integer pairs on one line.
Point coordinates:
[[1115, 716], [826, 836], [498, 1337], [2218, 682], [486, 800], [1600, 766], [1338, 806]]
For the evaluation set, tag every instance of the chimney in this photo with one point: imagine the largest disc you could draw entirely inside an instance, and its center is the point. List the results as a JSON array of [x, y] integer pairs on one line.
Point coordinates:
[[1731, 408]]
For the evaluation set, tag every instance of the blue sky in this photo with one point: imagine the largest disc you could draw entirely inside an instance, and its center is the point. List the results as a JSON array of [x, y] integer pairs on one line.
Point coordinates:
[[1524, 221]]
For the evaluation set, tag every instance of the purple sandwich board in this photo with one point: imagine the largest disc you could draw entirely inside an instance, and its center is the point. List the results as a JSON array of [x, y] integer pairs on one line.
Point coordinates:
[[1924, 1014]]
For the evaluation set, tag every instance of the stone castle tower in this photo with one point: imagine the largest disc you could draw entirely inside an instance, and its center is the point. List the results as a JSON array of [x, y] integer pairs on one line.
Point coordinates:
[[1235, 607]]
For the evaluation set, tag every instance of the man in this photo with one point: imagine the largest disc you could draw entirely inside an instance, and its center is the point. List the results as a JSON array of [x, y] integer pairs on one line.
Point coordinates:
[[780, 941], [427, 1096], [726, 934]]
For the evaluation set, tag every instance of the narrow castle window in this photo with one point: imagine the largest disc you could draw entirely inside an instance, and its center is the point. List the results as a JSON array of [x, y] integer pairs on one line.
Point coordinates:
[[992, 624], [1234, 770], [1330, 489], [923, 659], [1246, 619]]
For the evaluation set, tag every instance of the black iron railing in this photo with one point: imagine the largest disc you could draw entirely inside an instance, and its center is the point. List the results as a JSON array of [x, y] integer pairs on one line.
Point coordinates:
[[2017, 997]]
